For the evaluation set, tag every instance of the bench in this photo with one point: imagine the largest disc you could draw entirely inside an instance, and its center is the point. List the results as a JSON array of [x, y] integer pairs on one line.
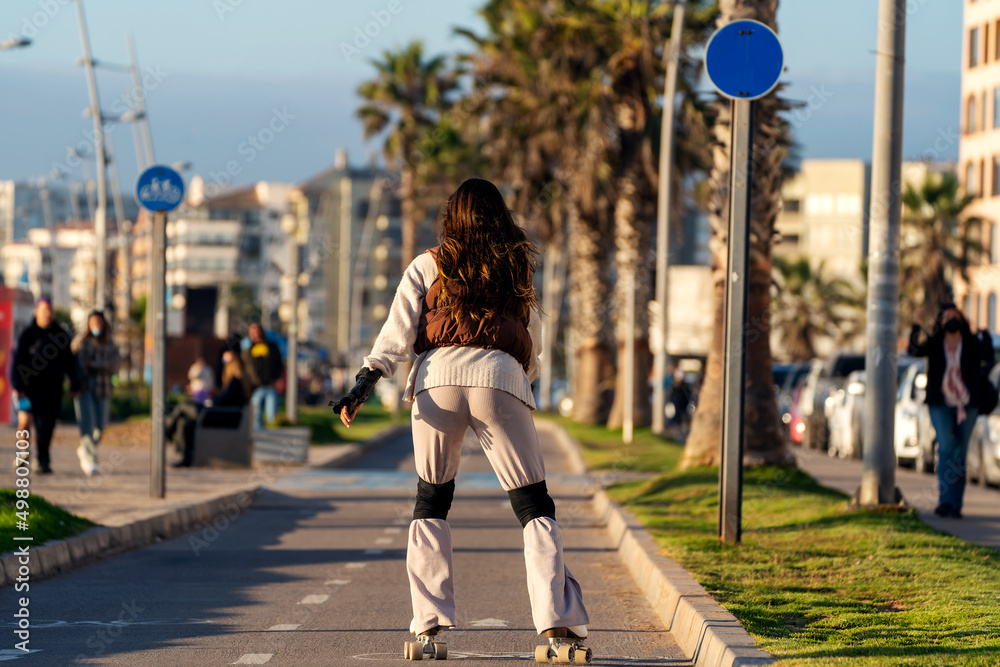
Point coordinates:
[[222, 438]]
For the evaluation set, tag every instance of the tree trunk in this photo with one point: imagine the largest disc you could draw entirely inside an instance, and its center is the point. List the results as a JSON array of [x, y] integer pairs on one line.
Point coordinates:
[[588, 291], [763, 441], [632, 242], [407, 193]]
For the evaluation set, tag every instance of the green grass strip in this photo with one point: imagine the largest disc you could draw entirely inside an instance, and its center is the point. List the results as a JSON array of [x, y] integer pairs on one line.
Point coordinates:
[[603, 448], [816, 584], [327, 428], [46, 522]]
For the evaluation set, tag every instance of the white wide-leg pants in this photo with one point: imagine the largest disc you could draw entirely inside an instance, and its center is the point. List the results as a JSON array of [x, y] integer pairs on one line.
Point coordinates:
[[506, 432]]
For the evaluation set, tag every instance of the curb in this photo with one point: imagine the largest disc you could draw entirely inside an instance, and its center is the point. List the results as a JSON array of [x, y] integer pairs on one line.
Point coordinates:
[[102, 541], [706, 632]]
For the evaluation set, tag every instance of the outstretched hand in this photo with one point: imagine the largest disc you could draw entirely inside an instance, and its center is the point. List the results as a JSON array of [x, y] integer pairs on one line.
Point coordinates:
[[348, 417]]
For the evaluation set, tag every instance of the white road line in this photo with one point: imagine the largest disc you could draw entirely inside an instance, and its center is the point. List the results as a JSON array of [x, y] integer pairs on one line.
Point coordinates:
[[337, 582], [393, 530], [287, 627], [490, 623], [374, 552], [383, 540], [314, 599], [253, 659], [355, 566]]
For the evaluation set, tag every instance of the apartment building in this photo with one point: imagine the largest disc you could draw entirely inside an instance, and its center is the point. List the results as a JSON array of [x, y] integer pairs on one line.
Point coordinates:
[[979, 156]]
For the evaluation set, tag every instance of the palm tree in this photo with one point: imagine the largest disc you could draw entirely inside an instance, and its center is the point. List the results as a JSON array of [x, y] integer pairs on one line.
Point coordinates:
[[807, 304], [408, 97], [772, 140], [629, 34], [536, 97], [937, 242]]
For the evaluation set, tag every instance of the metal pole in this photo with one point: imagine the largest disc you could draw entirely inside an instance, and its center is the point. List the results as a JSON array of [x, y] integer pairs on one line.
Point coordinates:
[[138, 98], [629, 397], [548, 329], [88, 185], [344, 259], [157, 467], [100, 215], [878, 478], [734, 359], [361, 263], [74, 201], [291, 375], [672, 55], [116, 191], [50, 224]]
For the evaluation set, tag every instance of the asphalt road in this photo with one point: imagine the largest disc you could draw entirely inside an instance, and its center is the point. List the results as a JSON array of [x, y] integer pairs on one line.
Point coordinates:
[[313, 573]]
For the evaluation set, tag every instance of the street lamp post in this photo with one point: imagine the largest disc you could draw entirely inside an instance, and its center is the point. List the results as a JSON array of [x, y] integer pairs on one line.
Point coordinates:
[[878, 477], [672, 56], [100, 215], [14, 43]]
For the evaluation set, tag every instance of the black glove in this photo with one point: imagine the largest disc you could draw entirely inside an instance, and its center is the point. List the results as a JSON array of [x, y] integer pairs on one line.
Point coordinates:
[[366, 380]]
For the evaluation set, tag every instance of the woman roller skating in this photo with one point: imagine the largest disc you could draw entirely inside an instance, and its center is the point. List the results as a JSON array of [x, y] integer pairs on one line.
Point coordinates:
[[467, 310]]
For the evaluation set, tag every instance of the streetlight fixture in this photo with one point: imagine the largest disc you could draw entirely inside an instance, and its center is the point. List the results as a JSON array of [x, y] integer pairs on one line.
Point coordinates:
[[15, 43]]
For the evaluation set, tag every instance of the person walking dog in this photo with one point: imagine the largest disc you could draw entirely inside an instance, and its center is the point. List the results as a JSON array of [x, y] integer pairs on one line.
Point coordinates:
[[954, 391], [467, 309], [97, 359]]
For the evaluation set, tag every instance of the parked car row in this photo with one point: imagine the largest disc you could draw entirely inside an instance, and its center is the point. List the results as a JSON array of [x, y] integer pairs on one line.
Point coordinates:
[[826, 411]]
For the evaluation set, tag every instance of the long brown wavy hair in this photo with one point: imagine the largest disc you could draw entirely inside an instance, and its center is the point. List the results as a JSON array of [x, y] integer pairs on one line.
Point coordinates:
[[486, 262]]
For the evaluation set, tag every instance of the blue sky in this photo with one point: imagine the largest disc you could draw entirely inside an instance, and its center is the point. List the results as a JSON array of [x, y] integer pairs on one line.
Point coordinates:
[[220, 71]]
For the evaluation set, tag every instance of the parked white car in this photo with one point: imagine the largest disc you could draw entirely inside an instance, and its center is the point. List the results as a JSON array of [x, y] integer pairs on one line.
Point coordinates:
[[983, 460], [847, 418], [909, 403]]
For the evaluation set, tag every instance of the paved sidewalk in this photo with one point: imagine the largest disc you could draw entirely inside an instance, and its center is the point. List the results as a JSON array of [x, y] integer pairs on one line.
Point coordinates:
[[981, 522]]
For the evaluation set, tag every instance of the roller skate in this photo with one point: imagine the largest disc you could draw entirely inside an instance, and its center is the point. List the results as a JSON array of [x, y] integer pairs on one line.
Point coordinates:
[[564, 647], [425, 647]]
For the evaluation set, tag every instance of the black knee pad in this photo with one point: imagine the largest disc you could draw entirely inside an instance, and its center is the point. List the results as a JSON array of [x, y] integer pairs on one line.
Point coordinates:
[[433, 500], [531, 502]]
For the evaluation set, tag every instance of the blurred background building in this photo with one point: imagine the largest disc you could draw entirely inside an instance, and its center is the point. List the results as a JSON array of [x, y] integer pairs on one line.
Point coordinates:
[[979, 158]]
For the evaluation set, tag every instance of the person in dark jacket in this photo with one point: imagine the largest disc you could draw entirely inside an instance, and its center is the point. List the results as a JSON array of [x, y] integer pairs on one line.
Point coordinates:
[[181, 422], [263, 368], [954, 360], [42, 362]]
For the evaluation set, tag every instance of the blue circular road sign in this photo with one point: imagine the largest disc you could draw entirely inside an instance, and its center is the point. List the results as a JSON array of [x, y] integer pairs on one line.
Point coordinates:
[[159, 188], [744, 59]]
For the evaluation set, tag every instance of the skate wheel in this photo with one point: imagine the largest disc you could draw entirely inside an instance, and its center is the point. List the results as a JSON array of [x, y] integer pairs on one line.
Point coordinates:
[[583, 655], [413, 651], [440, 650], [542, 654], [565, 654]]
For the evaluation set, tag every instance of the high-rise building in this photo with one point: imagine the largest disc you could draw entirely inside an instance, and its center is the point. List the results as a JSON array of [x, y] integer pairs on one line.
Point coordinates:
[[979, 157], [355, 245]]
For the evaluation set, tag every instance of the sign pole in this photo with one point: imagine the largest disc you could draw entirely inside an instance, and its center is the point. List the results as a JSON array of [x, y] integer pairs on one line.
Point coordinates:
[[158, 189], [743, 60], [734, 359], [157, 468]]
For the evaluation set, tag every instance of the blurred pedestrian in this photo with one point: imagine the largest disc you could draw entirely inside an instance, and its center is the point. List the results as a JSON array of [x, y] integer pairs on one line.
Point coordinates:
[[468, 310], [954, 356], [263, 368], [97, 359], [201, 381], [42, 362], [182, 421]]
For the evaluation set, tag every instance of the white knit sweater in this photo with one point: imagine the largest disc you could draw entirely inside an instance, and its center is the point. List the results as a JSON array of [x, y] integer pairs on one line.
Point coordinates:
[[455, 366]]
